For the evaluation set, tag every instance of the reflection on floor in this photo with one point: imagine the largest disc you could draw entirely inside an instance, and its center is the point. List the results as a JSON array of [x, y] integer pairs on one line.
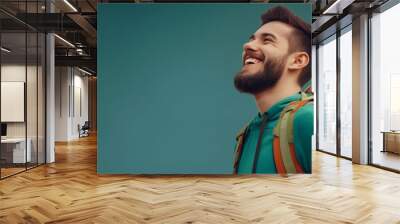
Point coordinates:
[[10, 169], [387, 159]]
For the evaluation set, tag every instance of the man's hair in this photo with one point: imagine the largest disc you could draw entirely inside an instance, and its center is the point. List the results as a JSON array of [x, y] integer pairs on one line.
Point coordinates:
[[300, 40]]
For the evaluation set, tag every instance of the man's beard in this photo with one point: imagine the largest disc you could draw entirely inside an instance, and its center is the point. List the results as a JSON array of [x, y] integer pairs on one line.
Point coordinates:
[[260, 81]]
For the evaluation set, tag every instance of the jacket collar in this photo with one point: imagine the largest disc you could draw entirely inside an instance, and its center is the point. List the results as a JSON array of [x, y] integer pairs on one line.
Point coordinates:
[[273, 112]]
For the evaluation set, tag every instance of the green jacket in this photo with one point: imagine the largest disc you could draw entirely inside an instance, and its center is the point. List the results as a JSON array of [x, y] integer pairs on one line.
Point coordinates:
[[302, 132]]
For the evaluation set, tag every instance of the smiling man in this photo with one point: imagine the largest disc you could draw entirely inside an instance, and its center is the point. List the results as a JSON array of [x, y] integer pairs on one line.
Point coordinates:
[[276, 71]]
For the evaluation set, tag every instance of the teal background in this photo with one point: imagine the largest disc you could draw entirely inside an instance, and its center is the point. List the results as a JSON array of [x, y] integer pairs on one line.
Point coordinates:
[[166, 99]]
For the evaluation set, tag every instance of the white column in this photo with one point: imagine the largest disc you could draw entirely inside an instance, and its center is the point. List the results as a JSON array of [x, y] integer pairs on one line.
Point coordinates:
[[63, 99], [50, 99], [360, 90], [50, 93]]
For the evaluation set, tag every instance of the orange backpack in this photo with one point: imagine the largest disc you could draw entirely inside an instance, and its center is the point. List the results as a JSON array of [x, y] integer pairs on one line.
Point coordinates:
[[283, 143]]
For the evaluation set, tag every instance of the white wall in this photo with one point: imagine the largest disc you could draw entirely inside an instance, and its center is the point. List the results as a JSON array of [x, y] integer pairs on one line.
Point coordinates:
[[62, 81], [33, 127], [13, 72], [16, 72], [71, 93]]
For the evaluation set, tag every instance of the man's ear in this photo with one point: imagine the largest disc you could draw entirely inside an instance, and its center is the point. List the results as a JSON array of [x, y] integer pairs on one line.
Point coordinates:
[[298, 60]]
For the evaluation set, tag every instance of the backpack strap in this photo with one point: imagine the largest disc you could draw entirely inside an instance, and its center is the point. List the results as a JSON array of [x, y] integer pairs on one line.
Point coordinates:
[[240, 137], [307, 88], [283, 146]]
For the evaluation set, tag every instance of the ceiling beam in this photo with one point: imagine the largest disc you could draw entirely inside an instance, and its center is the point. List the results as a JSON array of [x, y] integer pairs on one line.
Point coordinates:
[[84, 24], [83, 61]]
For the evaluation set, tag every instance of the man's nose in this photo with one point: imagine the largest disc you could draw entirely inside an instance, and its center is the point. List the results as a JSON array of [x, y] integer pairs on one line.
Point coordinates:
[[250, 46]]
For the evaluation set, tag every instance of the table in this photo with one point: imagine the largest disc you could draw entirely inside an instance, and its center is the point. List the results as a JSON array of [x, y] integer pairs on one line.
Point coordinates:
[[391, 141], [16, 147]]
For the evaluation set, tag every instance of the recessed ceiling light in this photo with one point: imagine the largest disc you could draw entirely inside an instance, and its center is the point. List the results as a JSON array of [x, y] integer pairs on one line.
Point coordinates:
[[5, 50], [337, 7], [332, 7], [65, 41], [84, 71], [70, 5]]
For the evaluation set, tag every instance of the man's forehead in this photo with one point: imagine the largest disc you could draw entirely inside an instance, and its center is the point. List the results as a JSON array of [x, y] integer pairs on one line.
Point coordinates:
[[275, 28]]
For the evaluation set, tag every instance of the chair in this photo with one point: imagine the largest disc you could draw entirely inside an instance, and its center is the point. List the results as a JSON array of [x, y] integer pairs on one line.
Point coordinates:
[[84, 130]]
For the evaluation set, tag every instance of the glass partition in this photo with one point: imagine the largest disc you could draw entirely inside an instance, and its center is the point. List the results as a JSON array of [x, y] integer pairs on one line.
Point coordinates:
[[31, 100], [14, 150], [346, 92], [385, 89], [41, 91], [22, 88], [327, 95]]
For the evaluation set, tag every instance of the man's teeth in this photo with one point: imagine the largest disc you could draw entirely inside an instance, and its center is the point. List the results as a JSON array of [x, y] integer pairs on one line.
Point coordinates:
[[252, 61]]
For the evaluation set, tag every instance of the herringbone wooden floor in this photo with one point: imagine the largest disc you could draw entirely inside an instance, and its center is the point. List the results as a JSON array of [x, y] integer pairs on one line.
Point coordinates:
[[70, 191]]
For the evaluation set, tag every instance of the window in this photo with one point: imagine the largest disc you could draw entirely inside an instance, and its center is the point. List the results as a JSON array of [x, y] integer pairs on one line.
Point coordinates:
[[327, 95], [346, 92], [385, 89]]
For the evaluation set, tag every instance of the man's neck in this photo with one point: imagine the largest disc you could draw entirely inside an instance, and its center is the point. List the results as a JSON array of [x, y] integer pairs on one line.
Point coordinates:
[[267, 98]]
